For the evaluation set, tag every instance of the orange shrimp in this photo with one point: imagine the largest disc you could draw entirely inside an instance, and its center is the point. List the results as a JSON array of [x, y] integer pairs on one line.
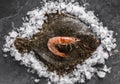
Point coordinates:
[[60, 40]]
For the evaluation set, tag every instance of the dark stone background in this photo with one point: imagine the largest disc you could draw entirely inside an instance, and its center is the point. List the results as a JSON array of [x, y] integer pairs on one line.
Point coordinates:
[[12, 11]]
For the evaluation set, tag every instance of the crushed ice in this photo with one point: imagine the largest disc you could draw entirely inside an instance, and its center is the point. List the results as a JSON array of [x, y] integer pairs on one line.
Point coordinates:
[[84, 71]]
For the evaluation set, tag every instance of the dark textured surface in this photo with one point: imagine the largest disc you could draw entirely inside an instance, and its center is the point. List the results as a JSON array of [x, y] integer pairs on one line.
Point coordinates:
[[12, 11]]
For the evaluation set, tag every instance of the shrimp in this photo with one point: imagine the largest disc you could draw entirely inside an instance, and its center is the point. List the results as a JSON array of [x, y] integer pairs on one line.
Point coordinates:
[[52, 42]]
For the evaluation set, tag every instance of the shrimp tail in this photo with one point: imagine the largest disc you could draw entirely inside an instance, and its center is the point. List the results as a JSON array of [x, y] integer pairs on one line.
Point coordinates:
[[53, 49]]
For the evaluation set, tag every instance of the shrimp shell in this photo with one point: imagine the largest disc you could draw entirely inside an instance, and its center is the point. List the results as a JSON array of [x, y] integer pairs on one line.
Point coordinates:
[[52, 42]]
